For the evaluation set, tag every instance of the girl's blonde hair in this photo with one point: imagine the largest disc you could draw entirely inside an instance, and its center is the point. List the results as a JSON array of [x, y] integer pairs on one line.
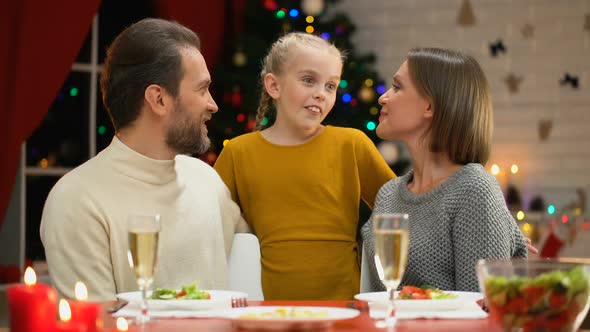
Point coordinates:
[[280, 53]]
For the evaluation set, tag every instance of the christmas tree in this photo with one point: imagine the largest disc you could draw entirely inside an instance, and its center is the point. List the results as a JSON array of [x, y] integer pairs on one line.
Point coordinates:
[[237, 88]]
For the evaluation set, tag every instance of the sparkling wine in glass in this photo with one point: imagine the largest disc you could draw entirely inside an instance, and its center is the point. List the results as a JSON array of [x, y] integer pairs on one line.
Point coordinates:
[[144, 234], [392, 240]]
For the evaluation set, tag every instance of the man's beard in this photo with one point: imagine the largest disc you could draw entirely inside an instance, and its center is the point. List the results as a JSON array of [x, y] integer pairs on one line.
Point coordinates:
[[184, 133]]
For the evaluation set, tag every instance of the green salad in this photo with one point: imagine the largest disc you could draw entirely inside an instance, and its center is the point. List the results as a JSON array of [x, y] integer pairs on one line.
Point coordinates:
[[548, 302], [190, 292]]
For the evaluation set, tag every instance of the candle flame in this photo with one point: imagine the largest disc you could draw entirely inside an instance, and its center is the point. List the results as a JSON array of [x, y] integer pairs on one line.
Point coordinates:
[[122, 324], [30, 276], [65, 313], [80, 291]]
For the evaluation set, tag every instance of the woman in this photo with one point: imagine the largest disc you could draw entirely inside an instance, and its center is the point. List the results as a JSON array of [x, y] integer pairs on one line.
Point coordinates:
[[440, 106]]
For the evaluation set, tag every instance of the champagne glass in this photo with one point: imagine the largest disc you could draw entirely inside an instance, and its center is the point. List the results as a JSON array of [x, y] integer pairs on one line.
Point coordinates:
[[391, 253], [144, 231]]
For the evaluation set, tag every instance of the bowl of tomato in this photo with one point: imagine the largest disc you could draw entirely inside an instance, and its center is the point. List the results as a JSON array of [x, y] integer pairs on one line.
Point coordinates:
[[535, 295]]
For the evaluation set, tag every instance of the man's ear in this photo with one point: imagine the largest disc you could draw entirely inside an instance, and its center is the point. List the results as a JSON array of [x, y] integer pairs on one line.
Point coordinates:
[[271, 84], [158, 99]]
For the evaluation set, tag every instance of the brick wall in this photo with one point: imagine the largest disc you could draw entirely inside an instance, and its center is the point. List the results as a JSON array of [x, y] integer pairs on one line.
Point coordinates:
[[554, 167]]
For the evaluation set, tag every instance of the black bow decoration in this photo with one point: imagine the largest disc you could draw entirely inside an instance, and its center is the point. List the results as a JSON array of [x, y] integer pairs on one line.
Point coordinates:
[[570, 79], [497, 47]]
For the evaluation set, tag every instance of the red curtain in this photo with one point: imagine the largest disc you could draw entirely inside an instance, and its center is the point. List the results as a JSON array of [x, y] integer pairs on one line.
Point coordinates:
[[215, 22], [40, 41], [208, 21]]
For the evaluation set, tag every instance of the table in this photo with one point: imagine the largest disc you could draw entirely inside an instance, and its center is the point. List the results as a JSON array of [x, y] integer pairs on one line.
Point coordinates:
[[361, 323]]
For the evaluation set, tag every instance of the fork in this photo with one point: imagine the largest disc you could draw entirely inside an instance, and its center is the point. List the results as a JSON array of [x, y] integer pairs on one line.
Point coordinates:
[[238, 302]]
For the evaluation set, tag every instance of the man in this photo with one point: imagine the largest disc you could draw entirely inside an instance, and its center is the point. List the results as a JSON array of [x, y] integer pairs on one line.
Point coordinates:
[[155, 86]]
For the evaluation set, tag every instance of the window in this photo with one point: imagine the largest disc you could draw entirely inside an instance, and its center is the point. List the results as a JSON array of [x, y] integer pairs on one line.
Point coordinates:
[[76, 126]]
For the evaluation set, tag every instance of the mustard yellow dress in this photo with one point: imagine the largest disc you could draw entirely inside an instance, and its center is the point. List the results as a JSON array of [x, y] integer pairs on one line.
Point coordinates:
[[303, 204]]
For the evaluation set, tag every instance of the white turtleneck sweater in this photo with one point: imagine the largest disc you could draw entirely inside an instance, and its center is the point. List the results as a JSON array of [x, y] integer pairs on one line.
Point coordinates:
[[84, 223]]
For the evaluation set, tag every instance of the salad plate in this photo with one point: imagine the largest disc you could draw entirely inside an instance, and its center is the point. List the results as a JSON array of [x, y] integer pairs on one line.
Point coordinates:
[[433, 304], [220, 299], [287, 317]]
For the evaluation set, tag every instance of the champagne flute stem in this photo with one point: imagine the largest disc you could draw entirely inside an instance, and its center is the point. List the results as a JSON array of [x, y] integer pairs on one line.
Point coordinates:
[[144, 306], [391, 306]]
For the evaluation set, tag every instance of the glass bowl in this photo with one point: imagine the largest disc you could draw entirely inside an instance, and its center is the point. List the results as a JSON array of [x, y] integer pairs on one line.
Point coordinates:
[[535, 295]]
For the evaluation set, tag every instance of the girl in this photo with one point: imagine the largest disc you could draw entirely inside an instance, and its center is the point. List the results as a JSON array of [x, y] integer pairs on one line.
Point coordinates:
[[298, 182], [439, 105]]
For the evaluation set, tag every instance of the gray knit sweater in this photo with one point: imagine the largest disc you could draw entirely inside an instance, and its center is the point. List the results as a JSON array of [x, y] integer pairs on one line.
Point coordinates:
[[451, 227]]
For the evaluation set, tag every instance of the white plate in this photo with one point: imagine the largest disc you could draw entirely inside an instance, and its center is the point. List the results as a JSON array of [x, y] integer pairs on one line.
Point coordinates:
[[219, 300], [446, 304], [329, 315]]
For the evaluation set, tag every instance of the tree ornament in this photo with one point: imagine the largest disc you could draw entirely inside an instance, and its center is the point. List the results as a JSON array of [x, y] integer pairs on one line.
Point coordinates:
[[271, 5], [250, 124], [236, 97], [466, 17], [545, 127], [513, 82], [389, 151], [312, 7], [528, 31], [286, 27], [240, 59], [367, 94]]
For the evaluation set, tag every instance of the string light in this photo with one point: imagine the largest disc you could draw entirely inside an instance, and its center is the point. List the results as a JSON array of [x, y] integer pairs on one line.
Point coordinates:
[[374, 110], [369, 82], [564, 219], [343, 84], [526, 228], [371, 125], [264, 121], [309, 29], [73, 92], [381, 89], [495, 169], [551, 209], [520, 215], [309, 19], [325, 36], [293, 13], [241, 117], [102, 130], [514, 169], [281, 13], [225, 141], [346, 97]]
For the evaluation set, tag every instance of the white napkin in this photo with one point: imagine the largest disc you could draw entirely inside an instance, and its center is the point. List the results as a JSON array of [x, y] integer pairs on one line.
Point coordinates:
[[133, 312], [214, 310], [471, 310]]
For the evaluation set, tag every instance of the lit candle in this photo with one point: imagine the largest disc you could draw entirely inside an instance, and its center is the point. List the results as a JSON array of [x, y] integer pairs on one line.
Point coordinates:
[[122, 324], [32, 305], [83, 312], [66, 324]]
